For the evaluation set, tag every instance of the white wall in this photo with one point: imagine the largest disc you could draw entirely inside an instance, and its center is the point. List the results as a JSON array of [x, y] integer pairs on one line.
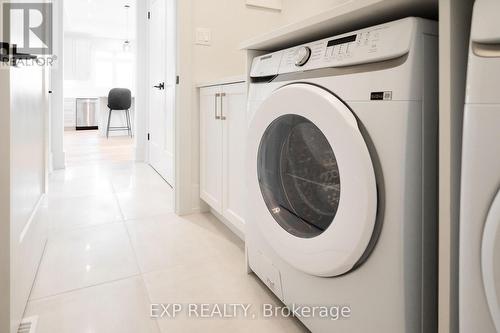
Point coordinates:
[[23, 169], [83, 78], [29, 225], [296, 10], [232, 22], [4, 195]]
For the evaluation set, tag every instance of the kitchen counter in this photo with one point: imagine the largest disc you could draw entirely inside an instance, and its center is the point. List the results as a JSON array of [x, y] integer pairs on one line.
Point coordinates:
[[102, 112]]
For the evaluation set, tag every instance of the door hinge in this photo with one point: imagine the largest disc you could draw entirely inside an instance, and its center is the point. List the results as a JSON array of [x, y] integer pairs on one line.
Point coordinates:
[[149, 136], [149, 15], [177, 79]]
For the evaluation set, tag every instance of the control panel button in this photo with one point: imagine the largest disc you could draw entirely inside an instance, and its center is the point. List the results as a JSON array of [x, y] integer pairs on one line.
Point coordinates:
[[303, 55]]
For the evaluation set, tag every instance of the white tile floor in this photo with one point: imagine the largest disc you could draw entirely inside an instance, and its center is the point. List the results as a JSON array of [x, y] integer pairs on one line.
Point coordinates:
[[116, 246]]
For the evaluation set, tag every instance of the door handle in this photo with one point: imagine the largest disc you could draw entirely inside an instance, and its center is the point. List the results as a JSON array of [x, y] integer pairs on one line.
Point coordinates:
[[222, 117], [160, 86], [217, 117]]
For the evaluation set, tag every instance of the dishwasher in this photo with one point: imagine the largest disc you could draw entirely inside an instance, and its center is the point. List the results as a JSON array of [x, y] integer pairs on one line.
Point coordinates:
[[86, 114]]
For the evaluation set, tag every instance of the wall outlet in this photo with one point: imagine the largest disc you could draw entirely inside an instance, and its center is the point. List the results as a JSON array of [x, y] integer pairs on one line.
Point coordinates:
[[203, 36]]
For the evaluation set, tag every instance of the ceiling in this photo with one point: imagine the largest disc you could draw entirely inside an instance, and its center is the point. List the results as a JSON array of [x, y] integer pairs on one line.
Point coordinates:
[[100, 18]]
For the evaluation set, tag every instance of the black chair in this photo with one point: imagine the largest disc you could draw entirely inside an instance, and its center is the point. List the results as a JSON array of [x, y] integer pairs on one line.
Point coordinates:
[[119, 99]]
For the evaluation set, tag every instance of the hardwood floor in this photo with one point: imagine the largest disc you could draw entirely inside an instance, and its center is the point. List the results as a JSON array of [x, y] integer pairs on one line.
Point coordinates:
[[83, 147]]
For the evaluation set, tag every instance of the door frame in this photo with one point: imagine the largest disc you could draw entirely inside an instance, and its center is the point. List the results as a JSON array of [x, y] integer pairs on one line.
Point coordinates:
[[186, 187], [144, 154]]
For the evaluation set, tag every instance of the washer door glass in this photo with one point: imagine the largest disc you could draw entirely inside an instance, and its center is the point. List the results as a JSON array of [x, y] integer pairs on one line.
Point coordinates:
[[298, 176]]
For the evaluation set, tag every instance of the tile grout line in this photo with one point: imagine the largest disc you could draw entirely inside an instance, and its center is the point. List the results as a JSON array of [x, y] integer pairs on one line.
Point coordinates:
[[83, 288], [127, 230], [141, 273], [122, 220], [84, 227], [55, 232]]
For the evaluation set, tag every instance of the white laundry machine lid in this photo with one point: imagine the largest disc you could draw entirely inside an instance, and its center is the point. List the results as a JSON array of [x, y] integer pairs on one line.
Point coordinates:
[[312, 179], [490, 260]]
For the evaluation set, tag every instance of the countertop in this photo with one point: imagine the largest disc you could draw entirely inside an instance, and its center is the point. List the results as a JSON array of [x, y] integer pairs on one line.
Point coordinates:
[[349, 16], [221, 81]]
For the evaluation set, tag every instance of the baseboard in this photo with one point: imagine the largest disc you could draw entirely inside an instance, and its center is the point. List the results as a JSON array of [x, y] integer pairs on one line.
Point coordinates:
[[140, 154], [33, 215], [28, 250], [51, 162], [199, 206], [198, 210], [58, 160], [237, 231]]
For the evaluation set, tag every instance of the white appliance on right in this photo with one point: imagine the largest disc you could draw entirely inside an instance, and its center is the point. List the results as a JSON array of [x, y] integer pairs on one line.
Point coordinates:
[[479, 276], [341, 178]]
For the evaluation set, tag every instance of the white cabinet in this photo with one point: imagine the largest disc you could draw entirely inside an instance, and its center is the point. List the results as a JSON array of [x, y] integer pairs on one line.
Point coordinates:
[[69, 113], [211, 147], [222, 150], [233, 110], [77, 58]]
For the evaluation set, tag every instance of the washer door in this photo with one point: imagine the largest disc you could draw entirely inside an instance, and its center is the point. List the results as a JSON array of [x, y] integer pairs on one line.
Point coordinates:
[[490, 260], [313, 180]]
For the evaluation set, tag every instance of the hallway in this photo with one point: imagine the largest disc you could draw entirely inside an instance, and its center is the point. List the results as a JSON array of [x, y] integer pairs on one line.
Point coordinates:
[[115, 246], [88, 147]]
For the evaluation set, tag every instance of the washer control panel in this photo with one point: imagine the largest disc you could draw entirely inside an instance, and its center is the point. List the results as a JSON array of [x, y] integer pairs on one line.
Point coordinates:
[[266, 65], [379, 43]]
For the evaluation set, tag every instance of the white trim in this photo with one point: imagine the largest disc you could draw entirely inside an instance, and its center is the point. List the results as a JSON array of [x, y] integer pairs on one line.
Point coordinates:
[[222, 81], [186, 119], [57, 86], [142, 79], [31, 218], [58, 160], [237, 229], [199, 206]]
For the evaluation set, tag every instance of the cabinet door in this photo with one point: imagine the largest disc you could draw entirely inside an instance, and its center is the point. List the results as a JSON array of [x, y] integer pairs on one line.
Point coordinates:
[[82, 59], [69, 113], [234, 134], [211, 147]]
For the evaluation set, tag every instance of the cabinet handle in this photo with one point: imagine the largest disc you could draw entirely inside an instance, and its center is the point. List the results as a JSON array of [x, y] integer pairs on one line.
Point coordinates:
[[216, 96], [222, 117]]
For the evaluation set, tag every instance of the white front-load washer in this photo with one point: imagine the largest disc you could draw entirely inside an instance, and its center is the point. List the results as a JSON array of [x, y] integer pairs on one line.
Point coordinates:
[[479, 259], [342, 178]]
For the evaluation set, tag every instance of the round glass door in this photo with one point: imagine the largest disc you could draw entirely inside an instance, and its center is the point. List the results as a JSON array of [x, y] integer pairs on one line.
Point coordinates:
[[310, 180], [298, 176]]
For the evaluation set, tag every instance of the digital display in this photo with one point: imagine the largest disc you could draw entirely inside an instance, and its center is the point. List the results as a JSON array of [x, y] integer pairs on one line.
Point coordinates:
[[381, 96], [377, 96], [342, 40]]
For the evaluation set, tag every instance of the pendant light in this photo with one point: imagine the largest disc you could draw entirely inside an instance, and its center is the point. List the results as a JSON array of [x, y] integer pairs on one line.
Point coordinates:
[[127, 44]]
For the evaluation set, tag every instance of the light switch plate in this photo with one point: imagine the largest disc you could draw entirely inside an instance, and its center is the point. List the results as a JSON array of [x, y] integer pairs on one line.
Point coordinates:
[[203, 36]]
